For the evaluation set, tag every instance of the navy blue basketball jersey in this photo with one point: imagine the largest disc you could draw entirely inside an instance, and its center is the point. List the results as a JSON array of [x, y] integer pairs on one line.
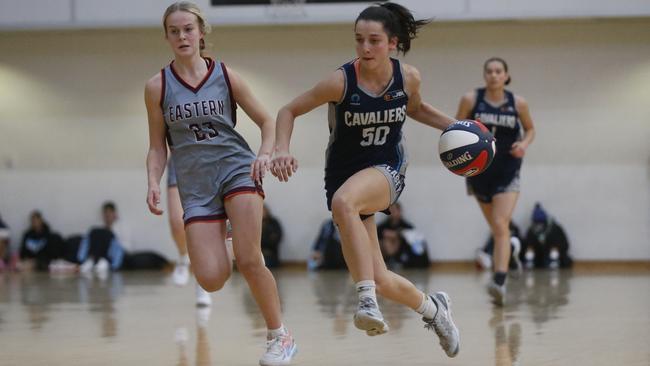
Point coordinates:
[[502, 120], [366, 129]]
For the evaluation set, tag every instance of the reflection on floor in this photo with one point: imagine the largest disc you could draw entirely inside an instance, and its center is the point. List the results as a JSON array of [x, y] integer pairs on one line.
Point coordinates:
[[552, 318]]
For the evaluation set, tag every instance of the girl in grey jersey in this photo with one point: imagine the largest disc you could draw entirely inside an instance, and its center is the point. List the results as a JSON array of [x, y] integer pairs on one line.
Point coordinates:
[[191, 107]]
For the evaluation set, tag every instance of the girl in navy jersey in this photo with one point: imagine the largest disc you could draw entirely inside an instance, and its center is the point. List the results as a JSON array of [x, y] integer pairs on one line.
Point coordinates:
[[369, 99], [191, 106], [497, 188]]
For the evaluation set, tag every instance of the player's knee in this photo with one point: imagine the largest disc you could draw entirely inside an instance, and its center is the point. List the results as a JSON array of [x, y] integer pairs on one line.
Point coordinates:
[[501, 227], [214, 281], [341, 207], [250, 265]]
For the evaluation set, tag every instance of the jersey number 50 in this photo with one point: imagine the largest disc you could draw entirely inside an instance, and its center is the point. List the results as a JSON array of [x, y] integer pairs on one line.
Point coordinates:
[[208, 132], [374, 135]]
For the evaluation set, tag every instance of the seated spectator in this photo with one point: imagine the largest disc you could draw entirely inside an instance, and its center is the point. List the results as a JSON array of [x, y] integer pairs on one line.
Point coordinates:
[[394, 221], [104, 248], [40, 245], [108, 248], [326, 251], [271, 238], [546, 244], [401, 245], [484, 254], [4, 244], [404, 249]]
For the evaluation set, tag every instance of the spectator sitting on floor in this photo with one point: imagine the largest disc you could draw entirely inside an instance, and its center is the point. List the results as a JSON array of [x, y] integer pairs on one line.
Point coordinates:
[[4, 244], [326, 251], [401, 245], [271, 238], [546, 244], [40, 245], [104, 248]]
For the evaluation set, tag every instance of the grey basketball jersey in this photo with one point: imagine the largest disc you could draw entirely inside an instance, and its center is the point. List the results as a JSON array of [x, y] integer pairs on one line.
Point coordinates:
[[207, 152]]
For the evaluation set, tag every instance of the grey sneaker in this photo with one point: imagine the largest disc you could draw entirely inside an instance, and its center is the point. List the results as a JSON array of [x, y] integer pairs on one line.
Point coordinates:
[[443, 324], [369, 318], [498, 293]]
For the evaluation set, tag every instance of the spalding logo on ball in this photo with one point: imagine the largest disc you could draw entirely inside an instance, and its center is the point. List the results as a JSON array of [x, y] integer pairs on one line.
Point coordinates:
[[466, 148]]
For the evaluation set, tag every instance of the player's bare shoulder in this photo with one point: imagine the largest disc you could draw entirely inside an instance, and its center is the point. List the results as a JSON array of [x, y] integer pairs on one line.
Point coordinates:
[[412, 78], [154, 84], [520, 102]]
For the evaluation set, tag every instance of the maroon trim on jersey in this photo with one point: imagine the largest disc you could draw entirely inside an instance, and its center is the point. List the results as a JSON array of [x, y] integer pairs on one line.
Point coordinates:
[[194, 90], [162, 86], [209, 218], [233, 103], [242, 190]]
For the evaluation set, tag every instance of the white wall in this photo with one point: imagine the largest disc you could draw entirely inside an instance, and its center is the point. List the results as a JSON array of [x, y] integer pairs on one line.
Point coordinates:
[[69, 14], [73, 130]]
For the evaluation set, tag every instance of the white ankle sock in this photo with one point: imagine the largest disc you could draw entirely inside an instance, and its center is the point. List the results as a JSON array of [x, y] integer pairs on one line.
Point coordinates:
[[428, 308], [184, 259], [366, 289], [272, 333]]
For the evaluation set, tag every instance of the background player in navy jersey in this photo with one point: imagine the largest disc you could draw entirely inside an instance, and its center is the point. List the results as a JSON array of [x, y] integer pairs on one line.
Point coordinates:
[[192, 103], [369, 99], [497, 188]]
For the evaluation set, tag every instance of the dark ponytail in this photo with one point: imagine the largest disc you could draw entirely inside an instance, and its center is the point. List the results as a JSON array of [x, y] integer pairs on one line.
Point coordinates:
[[502, 61], [397, 20]]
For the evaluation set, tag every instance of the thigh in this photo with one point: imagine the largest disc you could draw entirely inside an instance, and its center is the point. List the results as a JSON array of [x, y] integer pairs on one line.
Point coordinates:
[[206, 245], [503, 204], [367, 190], [245, 214]]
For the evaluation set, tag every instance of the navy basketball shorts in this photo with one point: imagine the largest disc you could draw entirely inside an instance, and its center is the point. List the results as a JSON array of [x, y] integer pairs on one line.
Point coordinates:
[[501, 177]]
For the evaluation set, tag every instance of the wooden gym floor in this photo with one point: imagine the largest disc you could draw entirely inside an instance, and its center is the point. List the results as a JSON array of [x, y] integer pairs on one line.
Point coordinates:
[[553, 318]]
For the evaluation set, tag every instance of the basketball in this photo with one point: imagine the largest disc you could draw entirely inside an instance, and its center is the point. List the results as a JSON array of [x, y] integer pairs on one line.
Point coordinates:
[[466, 148]]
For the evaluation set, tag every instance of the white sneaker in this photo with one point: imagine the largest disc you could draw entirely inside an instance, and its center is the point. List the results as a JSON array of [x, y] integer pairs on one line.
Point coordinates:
[[443, 324], [181, 274], [498, 293], [203, 298], [279, 351], [102, 267], [369, 318], [515, 262], [87, 267], [203, 316]]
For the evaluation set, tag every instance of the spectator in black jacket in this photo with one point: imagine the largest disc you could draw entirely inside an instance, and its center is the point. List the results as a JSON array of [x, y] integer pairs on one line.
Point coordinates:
[[4, 244], [271, 238], [401, 245], [326, 251], [546, 244], [40, 245]]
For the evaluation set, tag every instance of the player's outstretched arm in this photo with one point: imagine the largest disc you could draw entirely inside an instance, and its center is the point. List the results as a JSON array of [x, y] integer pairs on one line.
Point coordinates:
[[419, 110], [328, 90], [256, 111]]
